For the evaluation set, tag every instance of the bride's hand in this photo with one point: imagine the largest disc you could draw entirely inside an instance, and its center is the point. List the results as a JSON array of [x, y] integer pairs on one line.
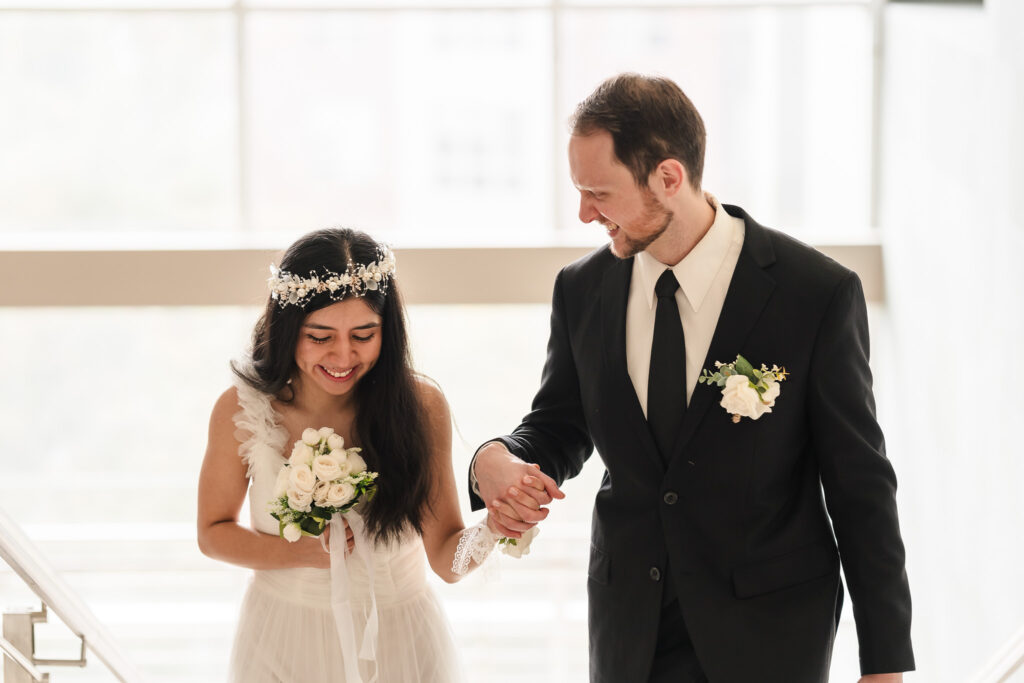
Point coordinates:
[[312, 547], [312, 550], [350, 539]]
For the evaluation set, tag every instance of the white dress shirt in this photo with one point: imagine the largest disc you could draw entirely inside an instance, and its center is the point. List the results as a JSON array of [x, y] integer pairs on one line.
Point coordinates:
[[704, 277]]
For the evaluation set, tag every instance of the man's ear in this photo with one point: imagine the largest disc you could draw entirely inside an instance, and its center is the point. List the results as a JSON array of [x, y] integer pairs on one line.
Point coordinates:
[[670, 177]]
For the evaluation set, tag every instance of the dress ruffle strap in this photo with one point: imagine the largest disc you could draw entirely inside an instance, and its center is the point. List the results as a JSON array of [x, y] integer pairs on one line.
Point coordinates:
[[256, 428]]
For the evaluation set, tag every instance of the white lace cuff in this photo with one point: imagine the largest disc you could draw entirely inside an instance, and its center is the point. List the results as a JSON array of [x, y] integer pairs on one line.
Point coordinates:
[[477, 542]]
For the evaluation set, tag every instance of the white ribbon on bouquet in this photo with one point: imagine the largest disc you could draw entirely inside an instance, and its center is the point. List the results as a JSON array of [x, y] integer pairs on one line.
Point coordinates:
[[342, 603]]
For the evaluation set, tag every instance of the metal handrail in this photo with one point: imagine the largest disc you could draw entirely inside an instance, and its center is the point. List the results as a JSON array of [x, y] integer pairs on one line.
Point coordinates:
[[37, 573], [1005, 662], [15, 654]]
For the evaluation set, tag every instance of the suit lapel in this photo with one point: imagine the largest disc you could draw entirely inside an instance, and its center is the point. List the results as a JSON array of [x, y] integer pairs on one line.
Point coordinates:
[[749, 291], [614, 296]]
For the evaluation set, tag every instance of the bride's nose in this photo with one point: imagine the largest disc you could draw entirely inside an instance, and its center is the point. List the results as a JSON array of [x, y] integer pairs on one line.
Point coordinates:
[[343, 349]]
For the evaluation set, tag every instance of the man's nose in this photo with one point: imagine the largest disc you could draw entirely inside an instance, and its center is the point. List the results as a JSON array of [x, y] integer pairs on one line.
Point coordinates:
[[588, 212]]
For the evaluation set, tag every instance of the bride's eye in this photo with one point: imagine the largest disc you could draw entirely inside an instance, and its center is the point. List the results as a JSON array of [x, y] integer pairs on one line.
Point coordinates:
[[317, 340], [362, 339]]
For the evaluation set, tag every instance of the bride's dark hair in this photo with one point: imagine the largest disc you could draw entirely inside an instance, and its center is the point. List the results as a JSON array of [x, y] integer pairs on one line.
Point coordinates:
[[389, 424]]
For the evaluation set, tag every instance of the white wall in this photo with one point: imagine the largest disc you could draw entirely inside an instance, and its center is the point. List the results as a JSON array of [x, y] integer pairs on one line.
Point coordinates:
[[953, 224]]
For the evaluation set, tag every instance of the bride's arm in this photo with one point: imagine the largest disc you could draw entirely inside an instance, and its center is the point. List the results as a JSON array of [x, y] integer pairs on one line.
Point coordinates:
[[222, 488], [442, 520]]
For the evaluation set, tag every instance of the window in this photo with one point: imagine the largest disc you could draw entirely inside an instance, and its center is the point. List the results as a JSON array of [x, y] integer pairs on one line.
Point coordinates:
[[425, 125]]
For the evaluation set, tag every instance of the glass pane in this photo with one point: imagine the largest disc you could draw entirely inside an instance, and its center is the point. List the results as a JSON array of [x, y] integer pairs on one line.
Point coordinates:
[[719, 3], [117, 122], [115, 4], [785, 95], [400, 4], [426, 127]]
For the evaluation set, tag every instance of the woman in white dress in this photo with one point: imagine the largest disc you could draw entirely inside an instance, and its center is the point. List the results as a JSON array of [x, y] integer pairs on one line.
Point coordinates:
[[331, 350]]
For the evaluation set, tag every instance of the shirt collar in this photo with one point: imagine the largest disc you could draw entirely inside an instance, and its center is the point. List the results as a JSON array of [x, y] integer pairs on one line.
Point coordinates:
[[697, 271]]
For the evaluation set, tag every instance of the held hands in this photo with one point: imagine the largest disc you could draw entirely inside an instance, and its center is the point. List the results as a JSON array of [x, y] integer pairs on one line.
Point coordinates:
[[882, 678], [513, 490]]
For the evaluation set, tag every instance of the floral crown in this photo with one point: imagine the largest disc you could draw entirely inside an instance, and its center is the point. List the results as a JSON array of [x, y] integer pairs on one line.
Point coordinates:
[[288, 288]]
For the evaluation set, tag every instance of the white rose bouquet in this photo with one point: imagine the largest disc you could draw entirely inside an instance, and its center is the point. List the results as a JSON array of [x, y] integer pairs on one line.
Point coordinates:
[[321, 477], [746, 391]]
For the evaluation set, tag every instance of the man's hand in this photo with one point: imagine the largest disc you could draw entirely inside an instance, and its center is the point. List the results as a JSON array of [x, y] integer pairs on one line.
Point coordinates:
[[881, 678], [513, 490]]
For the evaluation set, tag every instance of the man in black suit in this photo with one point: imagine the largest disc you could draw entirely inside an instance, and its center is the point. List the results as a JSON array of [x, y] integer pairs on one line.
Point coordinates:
[[714, 553]]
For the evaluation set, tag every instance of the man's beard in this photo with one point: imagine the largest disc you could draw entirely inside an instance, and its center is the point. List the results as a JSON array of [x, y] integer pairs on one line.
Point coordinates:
[[655, 213]]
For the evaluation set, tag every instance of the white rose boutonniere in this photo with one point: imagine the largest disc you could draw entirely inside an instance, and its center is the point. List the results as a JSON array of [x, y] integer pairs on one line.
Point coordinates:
[[746, 391]]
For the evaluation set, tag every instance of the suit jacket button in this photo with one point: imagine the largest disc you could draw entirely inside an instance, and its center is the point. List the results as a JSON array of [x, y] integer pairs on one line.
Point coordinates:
[[670, 498], [655, 574]]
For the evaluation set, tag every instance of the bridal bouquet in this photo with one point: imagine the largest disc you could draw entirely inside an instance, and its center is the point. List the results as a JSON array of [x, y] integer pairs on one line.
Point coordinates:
[[321, 477]]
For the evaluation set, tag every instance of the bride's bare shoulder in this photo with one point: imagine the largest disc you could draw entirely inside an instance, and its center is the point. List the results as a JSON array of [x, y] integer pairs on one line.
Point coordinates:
[[224, 411], [431, 397]]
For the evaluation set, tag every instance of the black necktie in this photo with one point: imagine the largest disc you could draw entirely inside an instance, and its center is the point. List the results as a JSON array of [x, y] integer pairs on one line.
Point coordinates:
[[666, 383]]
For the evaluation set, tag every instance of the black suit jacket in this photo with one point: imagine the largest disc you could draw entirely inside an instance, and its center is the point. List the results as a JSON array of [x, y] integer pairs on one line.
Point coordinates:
[[737, 517]]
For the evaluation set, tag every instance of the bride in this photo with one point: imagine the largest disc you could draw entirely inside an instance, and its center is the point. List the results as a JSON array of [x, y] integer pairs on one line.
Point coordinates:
[[331, 351]]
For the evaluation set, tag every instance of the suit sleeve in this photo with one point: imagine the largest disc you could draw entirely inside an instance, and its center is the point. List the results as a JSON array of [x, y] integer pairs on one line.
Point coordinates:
[[554, 434], [859, 483]]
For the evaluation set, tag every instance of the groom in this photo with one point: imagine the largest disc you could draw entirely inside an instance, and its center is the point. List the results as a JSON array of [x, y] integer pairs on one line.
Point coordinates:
[[714, 553]]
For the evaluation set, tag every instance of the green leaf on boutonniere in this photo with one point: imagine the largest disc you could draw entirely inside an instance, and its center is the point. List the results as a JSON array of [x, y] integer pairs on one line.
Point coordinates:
[[744, 367]]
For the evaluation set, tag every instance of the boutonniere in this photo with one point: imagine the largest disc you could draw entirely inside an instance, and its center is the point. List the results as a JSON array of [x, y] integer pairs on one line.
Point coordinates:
[[746, 391]]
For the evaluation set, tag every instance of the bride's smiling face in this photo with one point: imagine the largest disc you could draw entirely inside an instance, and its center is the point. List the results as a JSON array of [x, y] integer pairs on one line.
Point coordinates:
[[338, 345]]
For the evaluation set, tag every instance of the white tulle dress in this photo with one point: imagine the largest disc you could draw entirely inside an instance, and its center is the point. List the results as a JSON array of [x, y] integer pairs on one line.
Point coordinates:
[[287, 631]]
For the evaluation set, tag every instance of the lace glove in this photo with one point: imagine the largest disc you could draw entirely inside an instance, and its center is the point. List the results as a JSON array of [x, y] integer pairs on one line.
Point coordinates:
[[478, 541]]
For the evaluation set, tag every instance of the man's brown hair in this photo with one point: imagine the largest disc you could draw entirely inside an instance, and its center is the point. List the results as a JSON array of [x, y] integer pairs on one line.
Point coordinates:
[[650, 119]]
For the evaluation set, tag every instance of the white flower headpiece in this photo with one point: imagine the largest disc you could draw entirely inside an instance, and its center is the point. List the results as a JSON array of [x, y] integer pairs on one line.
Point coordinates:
[[288, 288]]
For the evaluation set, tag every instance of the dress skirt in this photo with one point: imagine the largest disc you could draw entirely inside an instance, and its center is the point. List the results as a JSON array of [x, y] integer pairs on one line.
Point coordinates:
[[287, 634]]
